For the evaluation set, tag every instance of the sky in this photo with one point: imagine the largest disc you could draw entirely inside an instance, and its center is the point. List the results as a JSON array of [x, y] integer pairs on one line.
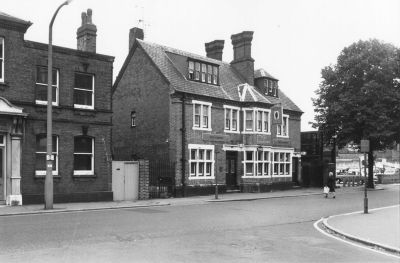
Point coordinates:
[[293, 40]]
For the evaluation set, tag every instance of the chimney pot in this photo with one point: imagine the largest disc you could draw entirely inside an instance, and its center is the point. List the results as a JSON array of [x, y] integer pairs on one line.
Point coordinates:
[[86, 33]]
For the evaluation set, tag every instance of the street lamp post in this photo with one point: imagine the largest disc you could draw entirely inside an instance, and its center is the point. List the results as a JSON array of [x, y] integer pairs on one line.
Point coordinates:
[[48, 185]]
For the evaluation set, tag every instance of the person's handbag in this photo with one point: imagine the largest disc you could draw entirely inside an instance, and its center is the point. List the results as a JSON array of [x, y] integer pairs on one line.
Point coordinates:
[[326, 190]]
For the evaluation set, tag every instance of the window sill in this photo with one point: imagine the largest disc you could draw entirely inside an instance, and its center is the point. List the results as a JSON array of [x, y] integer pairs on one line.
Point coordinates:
[[256, 176], [202, 129], [201, 178], [281, 136], [229, 131], [256, 132], [88, 175]]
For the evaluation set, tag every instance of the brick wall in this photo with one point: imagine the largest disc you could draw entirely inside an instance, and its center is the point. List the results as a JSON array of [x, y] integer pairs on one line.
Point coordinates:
[[141, 89], [21, 59]]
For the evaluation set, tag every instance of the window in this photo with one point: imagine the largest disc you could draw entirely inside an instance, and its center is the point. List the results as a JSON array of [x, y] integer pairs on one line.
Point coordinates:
[[231, 118], [1, 59], [203, 72], [197, 71], [133, 118], [256, 120], [41, 152], [84, 91], [249, 120], [215, 75], [282, 162], [191, 70], [201, 161], [249, 163], [41, 86], [201, 115], [283, 129], [83, 155], [256, 163], [209, 73]]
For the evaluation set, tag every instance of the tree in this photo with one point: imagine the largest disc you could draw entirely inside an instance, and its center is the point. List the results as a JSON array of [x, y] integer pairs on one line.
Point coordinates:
[[359, 97]]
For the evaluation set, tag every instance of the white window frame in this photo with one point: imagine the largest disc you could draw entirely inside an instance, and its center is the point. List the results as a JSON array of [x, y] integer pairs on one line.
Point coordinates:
[[57, 86], [256, 161], [202, 126], [43, 172], [85, 172], [279, 134], [287, 172], [204, 161], [80, 106], [264, 130], [2, 59], [230, 128]]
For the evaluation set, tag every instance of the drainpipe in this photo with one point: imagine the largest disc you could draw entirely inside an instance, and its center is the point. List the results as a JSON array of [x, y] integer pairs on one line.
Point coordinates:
[[183, 130]]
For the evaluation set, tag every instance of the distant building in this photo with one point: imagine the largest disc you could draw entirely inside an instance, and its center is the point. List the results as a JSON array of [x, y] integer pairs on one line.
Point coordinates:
[[215, 121], [82, 81]]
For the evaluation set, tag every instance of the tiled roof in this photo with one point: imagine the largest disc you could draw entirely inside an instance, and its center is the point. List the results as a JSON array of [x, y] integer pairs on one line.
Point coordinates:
[[170, 61], [262, 73]]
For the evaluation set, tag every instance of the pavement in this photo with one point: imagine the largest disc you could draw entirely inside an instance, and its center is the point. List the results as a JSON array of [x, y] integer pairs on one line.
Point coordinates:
[[379, 228]]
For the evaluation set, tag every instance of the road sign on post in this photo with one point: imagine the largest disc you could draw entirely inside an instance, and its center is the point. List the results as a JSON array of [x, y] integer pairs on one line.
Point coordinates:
[[364, 146]]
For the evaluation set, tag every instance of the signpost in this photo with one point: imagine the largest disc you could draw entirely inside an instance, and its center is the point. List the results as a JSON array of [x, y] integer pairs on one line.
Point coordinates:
[[365, 149]]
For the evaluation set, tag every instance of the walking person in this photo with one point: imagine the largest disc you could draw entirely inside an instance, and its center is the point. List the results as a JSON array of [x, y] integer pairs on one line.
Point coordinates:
[[331, 186]]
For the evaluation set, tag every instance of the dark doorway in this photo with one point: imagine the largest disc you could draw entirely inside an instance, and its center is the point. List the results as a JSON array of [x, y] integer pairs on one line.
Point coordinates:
[[231, 170], [295, 170]]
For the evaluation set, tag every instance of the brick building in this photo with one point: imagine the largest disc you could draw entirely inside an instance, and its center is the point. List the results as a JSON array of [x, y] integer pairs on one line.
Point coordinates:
[[216, 121], [82, 82]]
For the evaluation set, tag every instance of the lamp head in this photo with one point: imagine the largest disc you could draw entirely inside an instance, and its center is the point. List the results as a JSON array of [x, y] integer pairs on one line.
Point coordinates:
[[68, 2]]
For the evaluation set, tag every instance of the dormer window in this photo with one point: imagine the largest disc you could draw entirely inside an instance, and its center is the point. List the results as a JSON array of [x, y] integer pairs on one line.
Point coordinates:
[[203, 72], [271, 87]]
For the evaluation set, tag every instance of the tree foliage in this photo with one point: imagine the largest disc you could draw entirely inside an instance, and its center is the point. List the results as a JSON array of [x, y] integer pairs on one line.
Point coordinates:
[[359, 96]]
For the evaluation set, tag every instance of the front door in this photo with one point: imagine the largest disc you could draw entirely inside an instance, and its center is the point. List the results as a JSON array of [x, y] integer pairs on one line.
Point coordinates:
[[295, 169], [231, 170]]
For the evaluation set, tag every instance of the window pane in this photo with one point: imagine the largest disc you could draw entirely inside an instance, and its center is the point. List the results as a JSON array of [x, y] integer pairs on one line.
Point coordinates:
[[249, 168], [276, 168], [234, 120], [266, 116], [259, 121], [260, 156], [41, 143], [41, 93], [1, 48], [266, 168], [227, 119], [40, 162], [249, 156], [282, 157], [82, 162], [205, 110], [282, 168], [191, 65], [208, 155], [208, 169], [276, 157], [41, 75], [193, 168], [201, 169], [287, 168], [197, 109], [193, 154], [83, 97], [259, 169], [201, 154], [82, 145], [266, 156], [83, 81], [249, 120]]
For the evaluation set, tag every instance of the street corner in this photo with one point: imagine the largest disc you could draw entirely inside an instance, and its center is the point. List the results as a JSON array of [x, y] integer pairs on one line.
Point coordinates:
[[377, 230]]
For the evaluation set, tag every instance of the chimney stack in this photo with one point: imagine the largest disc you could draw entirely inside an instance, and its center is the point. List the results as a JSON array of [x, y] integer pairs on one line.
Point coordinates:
[[242, 60], [135, 33], [86, 33], [214, 49]]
